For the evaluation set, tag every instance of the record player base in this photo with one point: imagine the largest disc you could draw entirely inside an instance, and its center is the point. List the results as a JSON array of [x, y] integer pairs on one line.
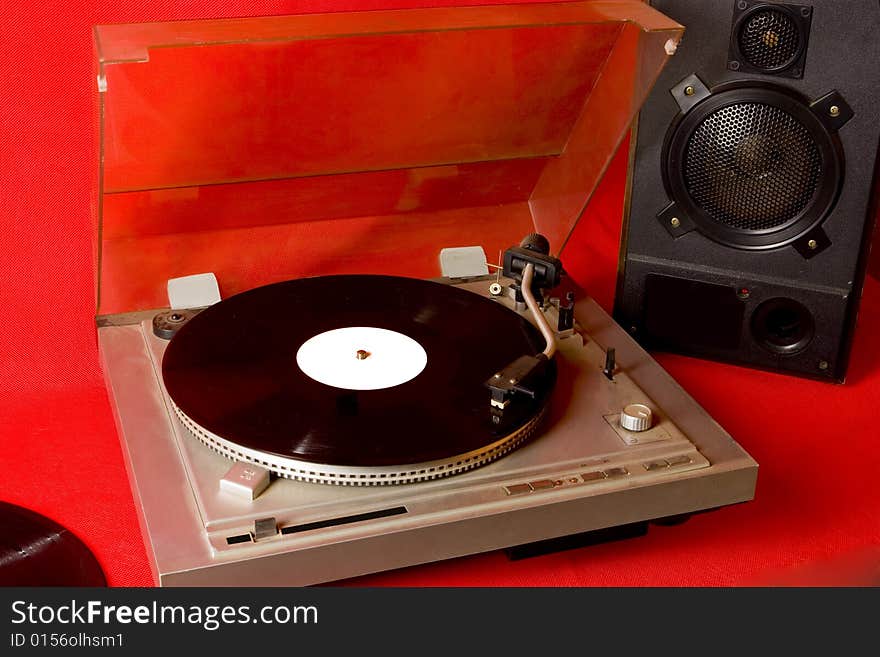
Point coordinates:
[[185, 521]]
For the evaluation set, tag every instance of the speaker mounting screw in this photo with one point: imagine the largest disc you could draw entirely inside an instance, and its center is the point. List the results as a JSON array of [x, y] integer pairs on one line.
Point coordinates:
[[806, 11], [742, 5], [823, 365], [675, 221], [733, 66], [689, 90], [834, 110], [812, 245]]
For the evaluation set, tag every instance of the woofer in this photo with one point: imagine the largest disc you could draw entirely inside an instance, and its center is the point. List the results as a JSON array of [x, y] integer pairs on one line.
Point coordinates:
[[753, 167]]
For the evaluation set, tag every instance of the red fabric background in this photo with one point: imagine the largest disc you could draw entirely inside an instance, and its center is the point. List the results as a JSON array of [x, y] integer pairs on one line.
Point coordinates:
[[816, 518]]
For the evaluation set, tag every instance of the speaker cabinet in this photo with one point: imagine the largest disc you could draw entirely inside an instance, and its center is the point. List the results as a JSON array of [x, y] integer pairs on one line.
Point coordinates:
[[749, 205]]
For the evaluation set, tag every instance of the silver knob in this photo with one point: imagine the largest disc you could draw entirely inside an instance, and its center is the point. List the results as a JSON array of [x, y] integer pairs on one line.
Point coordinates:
[[636, 417]]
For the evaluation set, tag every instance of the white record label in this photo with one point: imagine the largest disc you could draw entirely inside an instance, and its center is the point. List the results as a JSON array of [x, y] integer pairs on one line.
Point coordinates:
[[361, 358]]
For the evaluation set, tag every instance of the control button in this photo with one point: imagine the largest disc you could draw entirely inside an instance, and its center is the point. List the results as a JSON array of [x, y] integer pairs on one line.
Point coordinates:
[[541, 484], [636, 417], [245, 480], [616, 472], [517, 489], [265, 528], [656, 465], [680, 460], [593, 476], [610, 364]]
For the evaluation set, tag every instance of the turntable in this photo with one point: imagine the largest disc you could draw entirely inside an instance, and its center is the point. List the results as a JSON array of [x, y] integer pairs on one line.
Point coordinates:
[[354, 403]]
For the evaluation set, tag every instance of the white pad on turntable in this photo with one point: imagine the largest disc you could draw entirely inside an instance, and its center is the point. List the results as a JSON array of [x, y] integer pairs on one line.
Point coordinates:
[[361, 358]]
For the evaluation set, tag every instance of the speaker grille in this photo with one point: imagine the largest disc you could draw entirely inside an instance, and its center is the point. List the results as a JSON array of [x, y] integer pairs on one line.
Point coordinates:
[[752, 167], [769, 40]]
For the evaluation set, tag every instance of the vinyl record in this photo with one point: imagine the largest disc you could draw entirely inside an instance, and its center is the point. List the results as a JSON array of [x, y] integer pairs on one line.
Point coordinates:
[[37, 551], [356, 372]]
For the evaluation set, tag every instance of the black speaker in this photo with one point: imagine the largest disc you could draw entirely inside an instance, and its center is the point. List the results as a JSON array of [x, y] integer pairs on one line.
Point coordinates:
[[749, 206]]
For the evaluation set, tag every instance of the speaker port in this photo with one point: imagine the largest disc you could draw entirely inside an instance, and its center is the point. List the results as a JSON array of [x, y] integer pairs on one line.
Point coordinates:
[[783, 326]]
